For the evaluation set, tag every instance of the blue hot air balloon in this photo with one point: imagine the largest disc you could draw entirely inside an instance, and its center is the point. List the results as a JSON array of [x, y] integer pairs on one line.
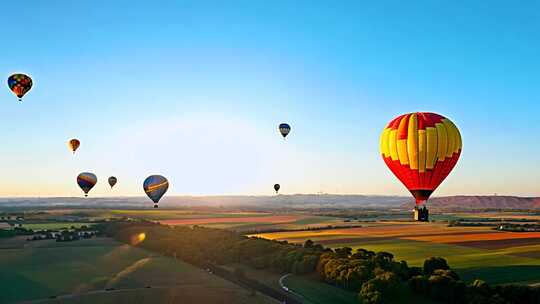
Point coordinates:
[[155, 186], [86, 181], [284, 129]]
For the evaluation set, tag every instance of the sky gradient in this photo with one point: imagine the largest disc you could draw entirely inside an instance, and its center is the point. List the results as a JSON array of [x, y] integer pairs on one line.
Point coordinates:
[[195, 91]]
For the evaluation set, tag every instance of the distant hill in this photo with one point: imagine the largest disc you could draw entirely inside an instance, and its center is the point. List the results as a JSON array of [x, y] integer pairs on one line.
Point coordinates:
[[296, 201], [265, 202]]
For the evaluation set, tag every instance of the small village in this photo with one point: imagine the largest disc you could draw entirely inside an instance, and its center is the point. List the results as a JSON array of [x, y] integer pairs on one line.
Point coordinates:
[[13, 225]]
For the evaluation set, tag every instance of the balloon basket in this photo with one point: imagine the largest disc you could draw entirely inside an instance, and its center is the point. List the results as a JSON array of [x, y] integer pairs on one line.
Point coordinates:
[[155, 206], [421, 214]]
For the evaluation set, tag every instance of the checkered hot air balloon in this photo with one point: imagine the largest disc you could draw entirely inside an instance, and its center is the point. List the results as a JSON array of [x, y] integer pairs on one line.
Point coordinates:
[[19, 84], [421, 149]]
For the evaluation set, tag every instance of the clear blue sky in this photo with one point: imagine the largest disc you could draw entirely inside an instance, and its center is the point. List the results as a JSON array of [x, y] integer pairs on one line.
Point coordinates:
[[195, 90]]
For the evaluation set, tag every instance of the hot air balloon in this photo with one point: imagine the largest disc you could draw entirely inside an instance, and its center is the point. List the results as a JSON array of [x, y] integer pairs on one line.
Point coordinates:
[[19, 84], [276, 187], [155, 186], [421, 149], [112, 181], [86, 181], [284, 129], [74, 144]]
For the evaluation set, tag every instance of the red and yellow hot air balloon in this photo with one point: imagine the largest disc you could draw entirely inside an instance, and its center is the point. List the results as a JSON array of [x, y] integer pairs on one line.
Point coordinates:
[[421, 149]]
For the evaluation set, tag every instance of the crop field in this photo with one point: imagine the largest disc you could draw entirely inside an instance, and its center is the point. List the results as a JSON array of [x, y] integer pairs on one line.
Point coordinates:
[[54, 226], [79, 272], [261, 221], [474, 252]]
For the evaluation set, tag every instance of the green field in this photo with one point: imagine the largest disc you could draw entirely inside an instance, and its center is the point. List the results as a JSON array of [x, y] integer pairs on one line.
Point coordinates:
[[39, 270], [494, 266], [316, 292], [54, 226]]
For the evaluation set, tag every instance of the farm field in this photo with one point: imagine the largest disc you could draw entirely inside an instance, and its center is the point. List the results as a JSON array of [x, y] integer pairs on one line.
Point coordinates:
[[235, 220], [54, 226], [474, 252], [78, 272], [260, 222]]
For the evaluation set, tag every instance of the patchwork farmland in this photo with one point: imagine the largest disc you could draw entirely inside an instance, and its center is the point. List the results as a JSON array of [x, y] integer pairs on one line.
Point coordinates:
[[474, 252], [258, 222]]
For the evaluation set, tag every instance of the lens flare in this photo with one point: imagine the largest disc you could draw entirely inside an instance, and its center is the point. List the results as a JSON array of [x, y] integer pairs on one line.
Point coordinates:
[[138, 238]]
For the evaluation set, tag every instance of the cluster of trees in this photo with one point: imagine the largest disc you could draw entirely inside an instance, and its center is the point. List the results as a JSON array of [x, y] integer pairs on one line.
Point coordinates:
[[377, 276], [200, 246], [442, 284], [520, 228], [374, 275]]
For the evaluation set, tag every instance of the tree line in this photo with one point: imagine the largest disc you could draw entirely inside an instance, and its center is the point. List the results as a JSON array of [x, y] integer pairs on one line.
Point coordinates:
[[375, 276]]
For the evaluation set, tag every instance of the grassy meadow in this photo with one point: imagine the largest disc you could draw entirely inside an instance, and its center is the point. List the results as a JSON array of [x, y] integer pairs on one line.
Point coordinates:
[[79, 272]]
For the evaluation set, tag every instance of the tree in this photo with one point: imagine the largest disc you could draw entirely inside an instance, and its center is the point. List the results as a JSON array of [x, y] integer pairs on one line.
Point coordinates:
[[363, 254], [344, 252], [373, 291], [443, 286], [418, 284], [383, 260], [433, 263]]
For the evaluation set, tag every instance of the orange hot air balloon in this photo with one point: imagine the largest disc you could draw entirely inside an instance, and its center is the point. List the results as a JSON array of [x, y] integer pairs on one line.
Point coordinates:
[[74, 144], [421, 149]]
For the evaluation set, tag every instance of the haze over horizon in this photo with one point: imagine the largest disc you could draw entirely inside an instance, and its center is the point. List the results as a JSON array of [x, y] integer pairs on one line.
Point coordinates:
[[195, 91]]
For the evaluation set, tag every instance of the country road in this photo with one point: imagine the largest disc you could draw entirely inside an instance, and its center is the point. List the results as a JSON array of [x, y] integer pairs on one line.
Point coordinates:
[[282, 285]]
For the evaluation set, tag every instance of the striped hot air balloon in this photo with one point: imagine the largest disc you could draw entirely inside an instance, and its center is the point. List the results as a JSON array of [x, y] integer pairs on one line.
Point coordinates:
[[421, 149], [86, 181], [155, 186]]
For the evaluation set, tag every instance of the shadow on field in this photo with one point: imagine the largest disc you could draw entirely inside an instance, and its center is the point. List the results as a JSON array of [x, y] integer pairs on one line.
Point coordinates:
[[20, 287], [502, 274]]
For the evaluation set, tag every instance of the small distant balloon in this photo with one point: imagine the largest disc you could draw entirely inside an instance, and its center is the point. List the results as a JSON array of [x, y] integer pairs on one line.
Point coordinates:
[[276, 187], [19, 84], [74, 144], [112, 181], [155, 186], [86, 181], [284, 129]]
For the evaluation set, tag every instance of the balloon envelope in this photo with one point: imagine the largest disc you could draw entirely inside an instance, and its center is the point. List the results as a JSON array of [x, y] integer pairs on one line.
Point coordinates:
[[284, 129], [276, 187], [112, 181], [74, 144], [421, 149], [86, 181], [19, 84], [155, 186]]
